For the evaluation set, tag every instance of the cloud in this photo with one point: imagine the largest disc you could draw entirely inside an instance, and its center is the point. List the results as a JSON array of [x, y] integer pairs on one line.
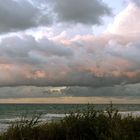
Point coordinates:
[[23, 60], [20, 15], [30, 92], [80, 61], [122, 24], [129, 91], [136, 2], [116, 91], [26, 49], [81, 11], [16, 15]]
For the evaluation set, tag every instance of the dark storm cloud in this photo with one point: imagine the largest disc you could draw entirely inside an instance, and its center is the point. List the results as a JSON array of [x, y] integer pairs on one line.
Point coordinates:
[[20, 15], [137, 2], [129, 91], [28, 92], [16, 15], [116, 91], [81, 11], [27, 50]]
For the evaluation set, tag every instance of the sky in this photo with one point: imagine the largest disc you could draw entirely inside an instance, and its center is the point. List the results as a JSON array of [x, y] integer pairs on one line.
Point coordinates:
[[69, 51]]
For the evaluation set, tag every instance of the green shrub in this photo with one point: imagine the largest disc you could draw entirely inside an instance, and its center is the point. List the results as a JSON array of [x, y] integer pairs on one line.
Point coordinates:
[[88, 124]]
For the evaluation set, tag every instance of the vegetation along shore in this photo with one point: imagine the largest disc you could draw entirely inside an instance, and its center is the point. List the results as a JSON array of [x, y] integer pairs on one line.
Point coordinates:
[[88, 124]]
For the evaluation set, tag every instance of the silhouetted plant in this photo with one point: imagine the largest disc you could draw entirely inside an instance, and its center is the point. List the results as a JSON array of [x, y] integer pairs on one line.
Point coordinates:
[[88, 124]]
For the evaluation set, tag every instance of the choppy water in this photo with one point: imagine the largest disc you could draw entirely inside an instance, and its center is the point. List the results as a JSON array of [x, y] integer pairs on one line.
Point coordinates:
[[12, 112]]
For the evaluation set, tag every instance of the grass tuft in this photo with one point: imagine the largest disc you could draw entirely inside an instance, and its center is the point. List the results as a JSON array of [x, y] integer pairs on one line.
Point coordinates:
[[88, 124]]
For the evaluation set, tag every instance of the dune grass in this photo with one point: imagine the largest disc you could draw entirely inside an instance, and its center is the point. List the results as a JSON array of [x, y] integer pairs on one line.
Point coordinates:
[[89, 124]]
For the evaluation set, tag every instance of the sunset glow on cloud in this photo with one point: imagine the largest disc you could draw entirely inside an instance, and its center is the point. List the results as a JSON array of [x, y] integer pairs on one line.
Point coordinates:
[[47, 44]]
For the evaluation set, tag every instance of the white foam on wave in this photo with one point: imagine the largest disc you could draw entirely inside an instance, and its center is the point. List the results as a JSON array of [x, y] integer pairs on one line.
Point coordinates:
[[132, 113], [55, 115], [5, 122]]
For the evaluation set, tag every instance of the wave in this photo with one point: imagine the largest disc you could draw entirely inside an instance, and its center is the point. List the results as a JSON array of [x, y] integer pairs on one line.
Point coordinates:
[[49, 116], [133, 113], [5, 122]]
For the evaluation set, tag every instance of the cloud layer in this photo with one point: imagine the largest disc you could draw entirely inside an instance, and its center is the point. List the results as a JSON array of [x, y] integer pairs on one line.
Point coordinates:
[[16, 15], [129, 91], [46, 43], [81, 11], [84, 60]]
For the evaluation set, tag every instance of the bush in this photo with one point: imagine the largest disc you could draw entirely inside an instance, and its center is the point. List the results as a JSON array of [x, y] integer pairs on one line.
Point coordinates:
[[81, 125]]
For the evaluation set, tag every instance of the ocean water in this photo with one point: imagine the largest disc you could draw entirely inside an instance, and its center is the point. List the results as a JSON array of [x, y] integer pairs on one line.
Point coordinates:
[[12, 112]]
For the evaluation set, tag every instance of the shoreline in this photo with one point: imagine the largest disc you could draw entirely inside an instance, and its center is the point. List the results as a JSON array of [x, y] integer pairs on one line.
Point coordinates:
[[88, 124]]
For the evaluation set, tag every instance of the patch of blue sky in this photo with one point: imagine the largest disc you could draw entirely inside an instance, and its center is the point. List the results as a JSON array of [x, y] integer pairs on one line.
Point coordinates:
[[117, 6]]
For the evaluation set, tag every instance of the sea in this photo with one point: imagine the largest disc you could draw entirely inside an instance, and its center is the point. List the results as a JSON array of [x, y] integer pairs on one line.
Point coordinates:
[[10, 113]]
